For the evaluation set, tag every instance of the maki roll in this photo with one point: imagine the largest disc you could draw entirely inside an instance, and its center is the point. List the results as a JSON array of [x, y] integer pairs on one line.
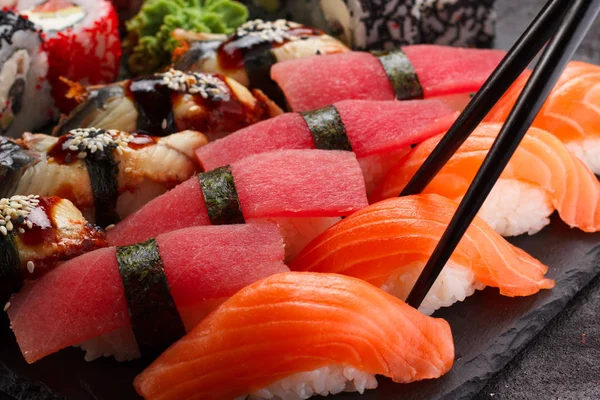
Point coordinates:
[[139, 299], [106, 174], [36, 234], [169, 102], [81, 39], [248, 54], [23, 72]]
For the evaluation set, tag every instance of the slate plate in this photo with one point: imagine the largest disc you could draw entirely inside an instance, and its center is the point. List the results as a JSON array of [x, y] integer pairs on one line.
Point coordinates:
[[489, 331]]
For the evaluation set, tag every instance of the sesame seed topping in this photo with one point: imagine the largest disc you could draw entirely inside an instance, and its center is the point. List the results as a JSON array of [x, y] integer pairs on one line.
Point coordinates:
[[164, 124], [269, 31], [208, 86], [128, 170], [14, 211], [30, 267], [6, 306], [93, 141]]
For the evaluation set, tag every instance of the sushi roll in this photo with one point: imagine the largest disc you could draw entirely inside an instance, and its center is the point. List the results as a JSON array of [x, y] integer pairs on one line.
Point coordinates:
[[295, 335], [380, 133], [168, 102], [541, 177], [303, 191], [23, 77], [36, 234], [106, 174], [571, 112], [81, 38], [407, 73], [388, 243], [380, 24], [248, 54], [139, 299]]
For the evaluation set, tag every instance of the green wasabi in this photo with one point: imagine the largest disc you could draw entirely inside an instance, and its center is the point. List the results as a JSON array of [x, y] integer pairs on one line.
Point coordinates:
[[154, 317], [150, 42]]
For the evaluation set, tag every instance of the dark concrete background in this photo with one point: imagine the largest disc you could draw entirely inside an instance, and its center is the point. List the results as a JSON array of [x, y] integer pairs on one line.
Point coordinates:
[[563, 362]]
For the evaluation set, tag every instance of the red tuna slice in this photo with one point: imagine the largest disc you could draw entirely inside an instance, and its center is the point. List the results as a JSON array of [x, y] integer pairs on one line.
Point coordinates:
[[85, 297], [288, 183], [317, 81], [373, 127]]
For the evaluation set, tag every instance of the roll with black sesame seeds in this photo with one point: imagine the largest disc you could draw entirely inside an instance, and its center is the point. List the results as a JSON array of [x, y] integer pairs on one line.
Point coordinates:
[[169, 102]]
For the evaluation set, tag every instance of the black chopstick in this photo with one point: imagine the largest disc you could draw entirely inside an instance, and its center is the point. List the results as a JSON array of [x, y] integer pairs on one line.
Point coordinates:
[[514, 63], [577, 21]]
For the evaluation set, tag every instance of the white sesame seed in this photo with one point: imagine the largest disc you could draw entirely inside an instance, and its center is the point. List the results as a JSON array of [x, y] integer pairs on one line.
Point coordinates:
[[9, 226], [164, 124], [128, 170], [30, 266], [4, 230], [21, 230], [6, 306], [29, 224]]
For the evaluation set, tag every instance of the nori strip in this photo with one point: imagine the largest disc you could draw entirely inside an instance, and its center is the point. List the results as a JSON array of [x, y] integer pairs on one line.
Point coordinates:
[[198, 50], [401, 74], [14, 159], [104, 171], [154, 318], [258, 63], [154, 103], [327, 129], [220, 196], [11, 279]]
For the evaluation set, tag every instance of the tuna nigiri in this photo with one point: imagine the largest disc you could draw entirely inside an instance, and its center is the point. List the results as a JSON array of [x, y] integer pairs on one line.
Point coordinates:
[[168, 102], [541, 177], [120, 301], [294, 335], [248, 54], [304, 191], [413, 72], [388, 243], [378, 132], [37, 234], [572, 111], [106, 174]]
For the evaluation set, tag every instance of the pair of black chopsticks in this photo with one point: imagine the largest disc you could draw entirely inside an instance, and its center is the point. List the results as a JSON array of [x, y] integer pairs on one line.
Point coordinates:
[[562, 24]]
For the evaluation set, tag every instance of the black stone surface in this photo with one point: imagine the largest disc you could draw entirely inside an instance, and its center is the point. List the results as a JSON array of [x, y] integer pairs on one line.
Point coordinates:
[[563, 362]]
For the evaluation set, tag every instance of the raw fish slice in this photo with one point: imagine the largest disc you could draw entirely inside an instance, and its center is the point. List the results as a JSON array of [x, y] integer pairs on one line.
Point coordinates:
[[269, 335], [541, 177], [318, 81], [372, 127], [388, 243], [85, 298], [571, 112], [281, 184]]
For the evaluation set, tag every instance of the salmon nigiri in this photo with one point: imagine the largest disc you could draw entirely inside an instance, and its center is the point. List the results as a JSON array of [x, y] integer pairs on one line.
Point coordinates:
[[388, 243], [572, 112], [294, 335], [542, 176]]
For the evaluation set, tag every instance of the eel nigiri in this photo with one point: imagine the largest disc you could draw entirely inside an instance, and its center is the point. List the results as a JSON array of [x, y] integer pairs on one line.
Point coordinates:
[[295, 335], [36, 234], [388, 243], [572, 111], [248, 54], [168, 102], [542, 176], [139, 299], [412, 72], [378, 132], [107, 174], [304, 191]]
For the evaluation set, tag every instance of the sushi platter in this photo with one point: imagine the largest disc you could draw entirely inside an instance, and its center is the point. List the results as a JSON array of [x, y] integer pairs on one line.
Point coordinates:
[[203, 199]]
